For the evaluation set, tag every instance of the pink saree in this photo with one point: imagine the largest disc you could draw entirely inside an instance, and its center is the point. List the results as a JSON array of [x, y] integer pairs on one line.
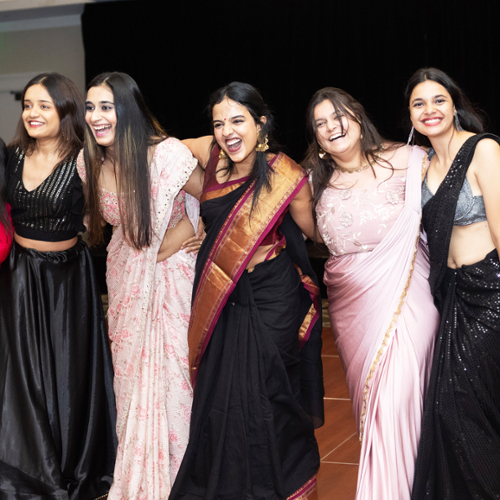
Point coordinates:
[[148, 316], [384, 323]]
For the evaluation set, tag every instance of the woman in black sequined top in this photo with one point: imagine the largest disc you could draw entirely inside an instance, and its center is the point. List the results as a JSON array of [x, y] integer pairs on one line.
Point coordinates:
[[57, 411], [459, 452]]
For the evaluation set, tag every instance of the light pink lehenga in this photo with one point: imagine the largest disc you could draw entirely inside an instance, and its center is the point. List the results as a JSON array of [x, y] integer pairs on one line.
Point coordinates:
[[383, 318], [148, 316]]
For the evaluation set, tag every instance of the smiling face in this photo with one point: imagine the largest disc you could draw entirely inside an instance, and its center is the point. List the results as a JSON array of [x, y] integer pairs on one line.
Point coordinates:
[[100, 115], [40, 116], [235, 131], [431, 109], [335, 134]]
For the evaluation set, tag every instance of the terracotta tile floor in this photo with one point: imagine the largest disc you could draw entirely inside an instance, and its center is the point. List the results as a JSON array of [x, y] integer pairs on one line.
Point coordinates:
[[339, 446]]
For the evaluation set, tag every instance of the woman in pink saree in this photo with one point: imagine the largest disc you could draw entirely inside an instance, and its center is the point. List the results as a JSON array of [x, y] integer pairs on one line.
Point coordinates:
[[367, 204], [149, 278]]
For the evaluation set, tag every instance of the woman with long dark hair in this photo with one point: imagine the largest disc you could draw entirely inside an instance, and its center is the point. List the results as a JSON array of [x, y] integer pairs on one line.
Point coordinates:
[[255, 330], [5, 219], [137, 179], [367, 206], [57, 411], [459, 453]]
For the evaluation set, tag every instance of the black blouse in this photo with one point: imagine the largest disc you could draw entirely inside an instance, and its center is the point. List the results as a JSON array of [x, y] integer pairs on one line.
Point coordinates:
[[53, 211]]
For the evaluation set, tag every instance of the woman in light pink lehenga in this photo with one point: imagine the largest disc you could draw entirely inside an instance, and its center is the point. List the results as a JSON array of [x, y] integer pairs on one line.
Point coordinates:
[[149, 280], [367, 203]]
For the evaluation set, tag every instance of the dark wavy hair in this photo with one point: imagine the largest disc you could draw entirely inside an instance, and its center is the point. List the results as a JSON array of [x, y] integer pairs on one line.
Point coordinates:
[[136, 130], [372, 143], [248, 96], [4, 220], [470, 118], [68, 102]]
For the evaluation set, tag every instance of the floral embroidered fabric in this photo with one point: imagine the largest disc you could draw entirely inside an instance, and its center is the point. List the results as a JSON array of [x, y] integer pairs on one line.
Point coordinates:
[[148, 318], [110, 210], [357, 219]]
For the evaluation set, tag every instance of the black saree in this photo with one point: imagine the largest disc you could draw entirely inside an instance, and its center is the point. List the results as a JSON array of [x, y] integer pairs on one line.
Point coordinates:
[[258, 393], [459, 451]]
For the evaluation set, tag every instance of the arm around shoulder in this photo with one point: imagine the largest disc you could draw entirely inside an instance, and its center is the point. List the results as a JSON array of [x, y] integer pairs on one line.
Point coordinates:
[[200, 147]]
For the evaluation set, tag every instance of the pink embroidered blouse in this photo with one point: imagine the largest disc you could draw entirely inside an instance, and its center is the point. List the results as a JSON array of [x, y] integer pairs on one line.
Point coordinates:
[[109, 203], [357, 219]]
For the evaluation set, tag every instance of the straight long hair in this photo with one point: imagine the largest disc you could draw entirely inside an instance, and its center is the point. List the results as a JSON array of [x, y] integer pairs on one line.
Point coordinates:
[[371, 142], [136, 131], [248, 96], [68, 102], [469, 118]]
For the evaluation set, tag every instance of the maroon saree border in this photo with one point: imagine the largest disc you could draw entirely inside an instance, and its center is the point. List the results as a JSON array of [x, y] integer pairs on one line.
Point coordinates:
[[233, 248]]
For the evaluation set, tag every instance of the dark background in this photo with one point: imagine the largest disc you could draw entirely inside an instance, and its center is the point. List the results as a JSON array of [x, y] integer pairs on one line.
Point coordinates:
[[180, 52]]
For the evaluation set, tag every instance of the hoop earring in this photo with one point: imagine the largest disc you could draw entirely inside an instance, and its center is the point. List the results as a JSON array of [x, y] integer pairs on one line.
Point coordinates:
[[457, 123], [410, 137], [262, 146], [222, 155], [322, 153]]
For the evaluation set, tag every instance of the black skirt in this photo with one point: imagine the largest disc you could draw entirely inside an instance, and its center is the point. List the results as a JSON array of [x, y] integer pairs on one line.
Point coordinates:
[[459, 451], [250, 438], [57, 407]]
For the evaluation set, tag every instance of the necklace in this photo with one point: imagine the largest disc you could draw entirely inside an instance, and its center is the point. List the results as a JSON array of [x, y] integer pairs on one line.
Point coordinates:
[[356, 169], [352, 170]]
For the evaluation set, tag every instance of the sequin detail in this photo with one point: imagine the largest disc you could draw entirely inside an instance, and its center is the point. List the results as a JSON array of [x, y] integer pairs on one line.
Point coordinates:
[[459, 453], [109, 203], [53, 211]]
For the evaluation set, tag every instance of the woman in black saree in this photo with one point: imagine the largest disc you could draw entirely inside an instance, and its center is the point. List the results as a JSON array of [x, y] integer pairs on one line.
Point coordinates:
[[255, 331], [459, 452]]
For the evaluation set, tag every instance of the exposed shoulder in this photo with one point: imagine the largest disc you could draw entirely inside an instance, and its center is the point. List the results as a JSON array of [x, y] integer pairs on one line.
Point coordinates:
[[200, 147], [80, 166], [486, 148], [485, 165], [171, 145]]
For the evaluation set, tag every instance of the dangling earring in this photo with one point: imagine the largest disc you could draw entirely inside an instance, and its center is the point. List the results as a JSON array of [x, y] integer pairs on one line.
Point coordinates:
[[222, 155], [322, 153], [410, 137], [262, 146], [457, 123]]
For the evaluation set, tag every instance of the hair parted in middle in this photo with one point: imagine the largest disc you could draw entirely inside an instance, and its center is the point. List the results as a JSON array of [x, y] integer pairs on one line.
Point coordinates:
[[68, 102], [469, 118], [247, 95], [136, 130]]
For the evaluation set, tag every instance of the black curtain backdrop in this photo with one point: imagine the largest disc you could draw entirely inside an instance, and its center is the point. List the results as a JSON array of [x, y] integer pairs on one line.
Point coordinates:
[[179, 52]]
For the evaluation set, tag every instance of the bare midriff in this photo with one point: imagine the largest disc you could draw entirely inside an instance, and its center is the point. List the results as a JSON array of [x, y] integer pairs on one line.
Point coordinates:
[[45, 246], [469, 244], [259, 256]]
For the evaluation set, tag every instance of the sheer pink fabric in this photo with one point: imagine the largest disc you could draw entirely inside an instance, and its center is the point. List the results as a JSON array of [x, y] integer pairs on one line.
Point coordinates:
[[149, 310], [384, 323]]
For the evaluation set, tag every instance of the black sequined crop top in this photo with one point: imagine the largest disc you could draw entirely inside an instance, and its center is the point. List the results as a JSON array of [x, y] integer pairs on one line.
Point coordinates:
[[53, 211], [470, 208]]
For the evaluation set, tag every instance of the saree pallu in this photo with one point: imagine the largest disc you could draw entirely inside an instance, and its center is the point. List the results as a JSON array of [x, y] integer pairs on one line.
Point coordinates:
[[258, 385], [57, 408], [149, 309], [384, 324], [459, 452]]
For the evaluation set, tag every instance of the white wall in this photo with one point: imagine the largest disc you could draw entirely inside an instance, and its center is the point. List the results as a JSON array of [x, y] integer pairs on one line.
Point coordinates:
[[37, 36], [34, 51]]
